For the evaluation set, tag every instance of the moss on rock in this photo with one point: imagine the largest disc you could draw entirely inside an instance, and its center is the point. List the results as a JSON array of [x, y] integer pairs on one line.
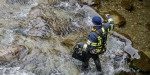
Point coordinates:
[[126, 4], [119, 20], [67, 42], [143, 64], [124, 34]]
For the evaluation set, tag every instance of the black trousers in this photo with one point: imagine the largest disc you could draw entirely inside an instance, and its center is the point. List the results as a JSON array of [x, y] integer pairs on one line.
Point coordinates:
[[95, 57]]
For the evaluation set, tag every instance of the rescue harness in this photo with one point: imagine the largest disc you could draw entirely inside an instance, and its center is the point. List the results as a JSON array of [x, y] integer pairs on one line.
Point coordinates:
[[100, 45]]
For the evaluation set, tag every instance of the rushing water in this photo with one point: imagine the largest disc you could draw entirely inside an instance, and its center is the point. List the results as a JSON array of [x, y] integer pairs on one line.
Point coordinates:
[[49, 57]]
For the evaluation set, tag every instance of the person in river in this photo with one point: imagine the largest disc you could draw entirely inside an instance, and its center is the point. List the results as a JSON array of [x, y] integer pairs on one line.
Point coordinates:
[[96, 43]]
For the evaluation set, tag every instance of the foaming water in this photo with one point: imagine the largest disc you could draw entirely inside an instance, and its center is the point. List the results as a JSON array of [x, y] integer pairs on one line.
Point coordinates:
[[17, 1], [49, 56], [114, 60], [14, 71], [23, 10], [7, 37]]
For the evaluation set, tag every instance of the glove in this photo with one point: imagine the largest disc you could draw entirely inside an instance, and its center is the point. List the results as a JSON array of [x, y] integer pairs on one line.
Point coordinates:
[[108, 16], [80, 45]]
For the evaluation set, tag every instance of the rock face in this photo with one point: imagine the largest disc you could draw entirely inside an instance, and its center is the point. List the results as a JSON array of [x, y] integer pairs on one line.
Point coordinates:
[[10, 52], [68, 42], [39, 28], [91, 2], [119, 20], [42, 23], [126, 4], [147, 26], [142, 64]]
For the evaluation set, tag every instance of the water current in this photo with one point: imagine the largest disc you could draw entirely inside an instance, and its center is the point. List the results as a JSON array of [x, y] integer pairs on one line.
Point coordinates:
[[15, 11]]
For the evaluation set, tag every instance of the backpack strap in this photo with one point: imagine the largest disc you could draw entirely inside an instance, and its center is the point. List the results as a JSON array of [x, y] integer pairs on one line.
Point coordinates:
[[100, 34], [103, 35]]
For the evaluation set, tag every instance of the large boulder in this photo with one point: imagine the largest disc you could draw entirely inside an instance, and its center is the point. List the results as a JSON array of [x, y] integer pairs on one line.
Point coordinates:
[[39, 28], [147, 26], [119, 20], [68, 42], [43, 21], [122, 33], [142, 64], [147, 52], [11, 52], [127, 5]]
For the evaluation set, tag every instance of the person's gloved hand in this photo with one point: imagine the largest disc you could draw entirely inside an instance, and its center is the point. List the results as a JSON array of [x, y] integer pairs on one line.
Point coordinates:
[[80, 45], [108, 15]]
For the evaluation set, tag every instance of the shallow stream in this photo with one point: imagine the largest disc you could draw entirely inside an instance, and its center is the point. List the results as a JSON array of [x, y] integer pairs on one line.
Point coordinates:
[[48, 56]]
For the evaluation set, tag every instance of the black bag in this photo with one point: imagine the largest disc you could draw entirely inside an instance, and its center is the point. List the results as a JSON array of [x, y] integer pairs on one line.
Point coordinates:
[[79, 55]]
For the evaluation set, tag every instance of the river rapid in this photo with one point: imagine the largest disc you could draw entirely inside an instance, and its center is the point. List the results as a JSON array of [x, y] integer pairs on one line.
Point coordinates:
[[32, 38]]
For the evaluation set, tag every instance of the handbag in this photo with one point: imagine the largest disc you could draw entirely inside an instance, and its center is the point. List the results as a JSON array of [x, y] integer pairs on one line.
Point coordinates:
[[79, 55]]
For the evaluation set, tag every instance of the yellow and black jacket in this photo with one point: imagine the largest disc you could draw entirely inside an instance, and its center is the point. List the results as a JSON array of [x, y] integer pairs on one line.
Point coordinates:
[[98, 37]]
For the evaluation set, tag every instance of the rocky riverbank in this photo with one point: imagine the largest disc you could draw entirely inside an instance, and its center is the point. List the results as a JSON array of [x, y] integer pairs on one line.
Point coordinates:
[[137, 27], [40, 39]]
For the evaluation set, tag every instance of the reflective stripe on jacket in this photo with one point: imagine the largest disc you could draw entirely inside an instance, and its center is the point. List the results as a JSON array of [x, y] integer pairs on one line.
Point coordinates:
[[95, 40]]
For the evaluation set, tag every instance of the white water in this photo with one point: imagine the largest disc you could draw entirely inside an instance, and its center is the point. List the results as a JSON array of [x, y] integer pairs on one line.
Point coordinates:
[[114, 60], [14, 71], [7, 35], [115, 48]]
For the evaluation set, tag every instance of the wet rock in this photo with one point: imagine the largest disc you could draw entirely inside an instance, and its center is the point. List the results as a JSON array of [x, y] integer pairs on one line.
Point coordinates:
[[23, 52], [92, 12], [67, 42], [30, 65], [39, 28], [42, 21], [125, 73], [117, 56], [37, 24], [128, 48], [147, 53], [132, 52], [115, 34], [53, 2], [17, 1], [10, 52], [56, 49], [141, 64], [34, 12], [147, 26], [91, 2], [126, 4], [119, 20], [97, 2], [124, 34]]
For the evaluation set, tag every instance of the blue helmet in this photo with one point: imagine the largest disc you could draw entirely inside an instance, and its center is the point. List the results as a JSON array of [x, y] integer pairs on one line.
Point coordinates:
[[97, 20]]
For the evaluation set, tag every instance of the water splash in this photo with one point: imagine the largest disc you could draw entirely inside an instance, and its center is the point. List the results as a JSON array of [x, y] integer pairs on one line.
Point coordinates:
[[14, 71], [17, 1], [7, 36]]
